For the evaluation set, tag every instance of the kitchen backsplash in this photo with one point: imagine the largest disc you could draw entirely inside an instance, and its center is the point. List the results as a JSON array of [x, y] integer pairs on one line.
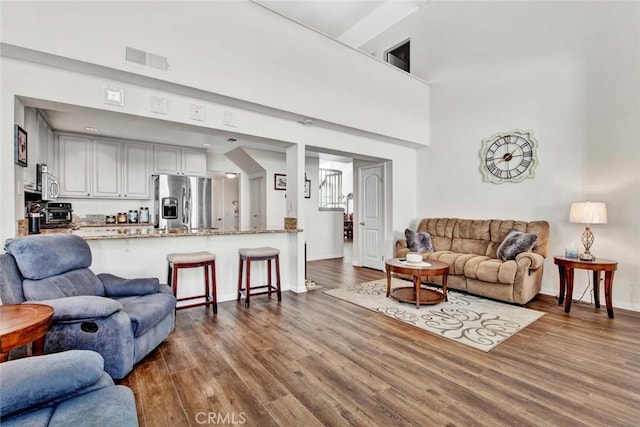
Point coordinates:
[[93, 212]]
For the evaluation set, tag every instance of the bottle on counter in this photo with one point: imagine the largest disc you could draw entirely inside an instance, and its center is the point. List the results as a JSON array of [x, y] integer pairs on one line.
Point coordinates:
[[144, 215], [133, 216], [122, 217], [34, 223]]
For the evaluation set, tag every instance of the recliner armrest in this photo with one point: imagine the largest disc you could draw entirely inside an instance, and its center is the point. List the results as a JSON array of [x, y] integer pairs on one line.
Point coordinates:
[[84, 307], [533, 258], [57, 375], [120, 287]]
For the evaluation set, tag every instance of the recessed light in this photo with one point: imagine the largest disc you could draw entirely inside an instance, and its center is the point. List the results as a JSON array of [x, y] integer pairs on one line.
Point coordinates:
[[231, 175], [92, 129], [231, 140], [206, 144]]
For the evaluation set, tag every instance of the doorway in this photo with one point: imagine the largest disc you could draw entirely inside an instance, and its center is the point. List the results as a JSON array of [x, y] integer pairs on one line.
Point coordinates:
[[257, 203], [225, 199], [371, 218]]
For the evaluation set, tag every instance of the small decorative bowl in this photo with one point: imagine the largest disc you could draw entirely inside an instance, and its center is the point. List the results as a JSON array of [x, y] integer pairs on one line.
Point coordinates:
[[414, 258]]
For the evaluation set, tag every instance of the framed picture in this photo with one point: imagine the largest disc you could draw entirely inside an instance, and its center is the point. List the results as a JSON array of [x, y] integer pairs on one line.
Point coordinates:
[[20, 146], [279, 181], [307, 188]]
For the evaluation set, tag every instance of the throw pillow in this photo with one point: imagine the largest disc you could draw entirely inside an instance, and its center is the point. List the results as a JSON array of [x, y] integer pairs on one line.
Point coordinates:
[[515, 243], [418, 241]]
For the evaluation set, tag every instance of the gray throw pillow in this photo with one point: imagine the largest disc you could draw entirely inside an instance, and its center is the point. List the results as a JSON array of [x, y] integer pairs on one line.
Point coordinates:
[[418, 241], [515, 243]]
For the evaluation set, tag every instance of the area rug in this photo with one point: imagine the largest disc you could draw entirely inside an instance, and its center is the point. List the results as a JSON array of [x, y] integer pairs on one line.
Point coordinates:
[[474, 321]]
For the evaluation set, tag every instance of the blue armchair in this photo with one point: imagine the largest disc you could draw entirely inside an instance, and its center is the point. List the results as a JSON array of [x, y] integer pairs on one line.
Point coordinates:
[[63, 389], [122, 319]]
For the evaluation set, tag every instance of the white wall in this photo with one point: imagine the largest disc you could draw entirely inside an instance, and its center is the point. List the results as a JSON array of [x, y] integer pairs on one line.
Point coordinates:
[[567, 70], [42, 82], [233, 48]]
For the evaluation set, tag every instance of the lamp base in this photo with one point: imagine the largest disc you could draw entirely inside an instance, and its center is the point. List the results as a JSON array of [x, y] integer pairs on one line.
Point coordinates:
[[586, 257]]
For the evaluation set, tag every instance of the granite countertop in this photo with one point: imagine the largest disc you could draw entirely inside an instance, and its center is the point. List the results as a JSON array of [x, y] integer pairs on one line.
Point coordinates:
[[117, 232]]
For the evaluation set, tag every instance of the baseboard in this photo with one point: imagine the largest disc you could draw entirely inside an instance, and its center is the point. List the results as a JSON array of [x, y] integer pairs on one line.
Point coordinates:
[[625, 305]]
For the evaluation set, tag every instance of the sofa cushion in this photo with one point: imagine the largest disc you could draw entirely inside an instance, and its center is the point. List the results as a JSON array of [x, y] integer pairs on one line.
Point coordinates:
[[49, 255], [441, 231], [109, 406], [147, 310], [70, 284], [515, 243], [418, 241], [497, 271], [74, 370]]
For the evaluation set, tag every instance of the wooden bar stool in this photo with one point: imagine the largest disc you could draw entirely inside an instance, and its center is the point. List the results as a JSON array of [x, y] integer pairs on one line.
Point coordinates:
[[258, 254], [191, 260]]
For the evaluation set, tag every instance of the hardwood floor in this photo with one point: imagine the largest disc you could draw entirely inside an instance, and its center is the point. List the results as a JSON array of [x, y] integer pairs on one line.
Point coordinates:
[[315, 360]]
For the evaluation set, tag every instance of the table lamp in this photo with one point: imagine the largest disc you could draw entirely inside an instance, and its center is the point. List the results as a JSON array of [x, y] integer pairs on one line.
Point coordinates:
[[588, 213]]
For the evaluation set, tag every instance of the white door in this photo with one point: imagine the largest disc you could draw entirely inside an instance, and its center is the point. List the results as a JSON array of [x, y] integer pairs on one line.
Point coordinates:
[[232, 203], [256, 205], [371, 217], [217, 201]]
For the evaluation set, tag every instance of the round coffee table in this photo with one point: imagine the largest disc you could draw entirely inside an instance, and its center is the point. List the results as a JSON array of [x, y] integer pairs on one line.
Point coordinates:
[[417, 294], [21, 324]]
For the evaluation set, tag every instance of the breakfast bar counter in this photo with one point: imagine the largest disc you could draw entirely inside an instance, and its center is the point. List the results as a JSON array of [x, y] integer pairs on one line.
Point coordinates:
[[116, 232], [142, 251]]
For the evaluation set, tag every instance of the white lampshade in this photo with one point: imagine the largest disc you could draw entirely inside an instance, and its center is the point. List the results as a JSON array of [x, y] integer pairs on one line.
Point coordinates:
[[588, 212]]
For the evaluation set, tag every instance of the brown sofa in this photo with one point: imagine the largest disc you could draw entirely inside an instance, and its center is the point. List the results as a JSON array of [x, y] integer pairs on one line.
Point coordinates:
[[469, 248]]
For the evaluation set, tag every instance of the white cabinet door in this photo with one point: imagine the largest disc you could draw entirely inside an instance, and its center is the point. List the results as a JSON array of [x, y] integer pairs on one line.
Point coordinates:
[[43, 139], [137, 171], [50, 157], [167, 160], [107, 169], [31, 127], [178, 161], [74, 163], [194, 163]]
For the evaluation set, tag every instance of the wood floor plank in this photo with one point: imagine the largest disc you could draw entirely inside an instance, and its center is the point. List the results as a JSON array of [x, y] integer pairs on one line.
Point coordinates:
[[316, 360]]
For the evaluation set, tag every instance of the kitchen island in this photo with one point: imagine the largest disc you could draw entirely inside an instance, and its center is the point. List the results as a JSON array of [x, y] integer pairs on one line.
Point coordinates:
[[141, 252]]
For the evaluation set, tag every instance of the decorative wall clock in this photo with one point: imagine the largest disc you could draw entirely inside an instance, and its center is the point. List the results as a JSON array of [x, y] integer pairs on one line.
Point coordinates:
[[509, 157]]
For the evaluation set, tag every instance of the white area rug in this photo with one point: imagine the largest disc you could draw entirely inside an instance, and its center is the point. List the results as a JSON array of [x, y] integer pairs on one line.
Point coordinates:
[[474, 321]]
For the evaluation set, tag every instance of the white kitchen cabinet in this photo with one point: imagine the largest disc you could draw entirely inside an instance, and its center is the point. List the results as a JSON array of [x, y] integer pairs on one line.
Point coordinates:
[[179, 161], [137, 171], [37, 145], [106, 169], [194, 162], [43, 140], [103, 168], [74, 164], [31, 127]]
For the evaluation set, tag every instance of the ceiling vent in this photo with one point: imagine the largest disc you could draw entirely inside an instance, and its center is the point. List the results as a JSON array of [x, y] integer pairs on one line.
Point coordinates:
[[146, 59]]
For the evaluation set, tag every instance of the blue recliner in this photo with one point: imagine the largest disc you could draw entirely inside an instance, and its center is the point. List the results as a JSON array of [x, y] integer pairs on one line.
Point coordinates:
[[122, 319], [63, 389]]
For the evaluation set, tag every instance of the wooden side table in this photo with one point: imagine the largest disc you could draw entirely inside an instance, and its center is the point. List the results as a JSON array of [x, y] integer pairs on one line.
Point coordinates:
[[21, 324], [566, 267]]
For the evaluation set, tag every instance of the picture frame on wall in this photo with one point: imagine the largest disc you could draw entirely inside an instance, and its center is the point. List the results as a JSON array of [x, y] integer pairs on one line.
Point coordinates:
[[279, 181], [307, 188], [20, 146]]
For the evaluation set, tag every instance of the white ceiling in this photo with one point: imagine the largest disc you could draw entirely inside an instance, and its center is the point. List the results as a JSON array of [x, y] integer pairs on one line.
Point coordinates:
[[353, 22]]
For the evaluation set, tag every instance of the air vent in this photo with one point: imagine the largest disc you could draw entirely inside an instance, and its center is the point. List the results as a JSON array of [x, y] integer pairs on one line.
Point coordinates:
[[146, 59]]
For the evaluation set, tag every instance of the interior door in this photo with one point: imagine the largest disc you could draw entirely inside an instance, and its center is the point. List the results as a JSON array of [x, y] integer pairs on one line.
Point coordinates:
[[256, 204], [371, 217], [217, 199]]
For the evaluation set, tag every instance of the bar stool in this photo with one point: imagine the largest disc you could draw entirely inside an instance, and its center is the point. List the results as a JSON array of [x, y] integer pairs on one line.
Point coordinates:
[[191, 260], [258, 254]]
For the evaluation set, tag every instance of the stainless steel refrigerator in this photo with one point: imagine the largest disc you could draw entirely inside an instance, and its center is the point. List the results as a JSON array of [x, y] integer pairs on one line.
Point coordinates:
[[182, 201]]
